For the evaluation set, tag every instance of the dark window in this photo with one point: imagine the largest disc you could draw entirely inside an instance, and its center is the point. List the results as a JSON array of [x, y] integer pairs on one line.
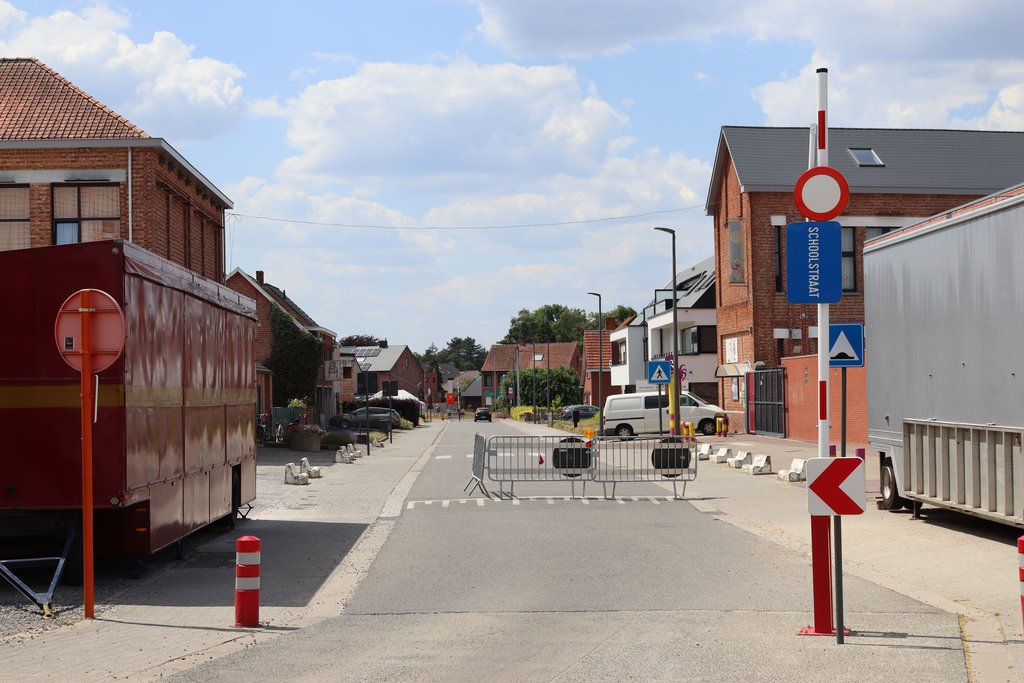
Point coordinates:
[[651, 402], [849, 261], [86, 213], [778, 257], [872, 233], [14, 218], [737, 268], [699, 339], [346, 372], [865, 156]]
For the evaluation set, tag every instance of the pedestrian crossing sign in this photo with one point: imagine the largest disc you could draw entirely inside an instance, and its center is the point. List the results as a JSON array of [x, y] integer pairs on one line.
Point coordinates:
[[658, 371], [846, 345]]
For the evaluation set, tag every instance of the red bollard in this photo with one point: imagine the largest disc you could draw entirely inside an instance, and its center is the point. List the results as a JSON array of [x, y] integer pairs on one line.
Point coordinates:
[[247, 582], [1020, 572]]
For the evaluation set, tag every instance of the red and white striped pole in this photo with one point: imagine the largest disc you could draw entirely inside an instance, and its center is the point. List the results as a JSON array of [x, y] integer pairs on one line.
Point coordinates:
[[247, 582], [821, 537], [1020, 572]]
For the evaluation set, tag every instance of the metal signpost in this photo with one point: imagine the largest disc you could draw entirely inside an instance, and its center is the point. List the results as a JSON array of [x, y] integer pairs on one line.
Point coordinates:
[[835, 487], [814, 275], [659, 373], [90, 334], [845, 350]]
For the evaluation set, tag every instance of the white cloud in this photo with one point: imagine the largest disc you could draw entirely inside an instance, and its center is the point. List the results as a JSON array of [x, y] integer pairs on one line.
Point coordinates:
[[457, 125], [160, 85], [915, 63]]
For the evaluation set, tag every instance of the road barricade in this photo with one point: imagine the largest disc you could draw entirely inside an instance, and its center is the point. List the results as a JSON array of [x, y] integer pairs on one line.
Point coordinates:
[[505, 460]]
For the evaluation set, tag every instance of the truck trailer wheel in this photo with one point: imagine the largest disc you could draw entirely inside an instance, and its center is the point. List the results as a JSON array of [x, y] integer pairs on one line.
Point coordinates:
[[891, 499]]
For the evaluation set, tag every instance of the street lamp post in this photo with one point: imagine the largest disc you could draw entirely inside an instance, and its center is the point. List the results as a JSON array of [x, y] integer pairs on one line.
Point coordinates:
[[533, 367], [600, 363], [674, 374]]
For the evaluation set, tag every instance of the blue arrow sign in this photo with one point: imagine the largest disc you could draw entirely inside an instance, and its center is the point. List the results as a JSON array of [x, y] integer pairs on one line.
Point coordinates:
[[814, 262], [846, 345], [658, 371]]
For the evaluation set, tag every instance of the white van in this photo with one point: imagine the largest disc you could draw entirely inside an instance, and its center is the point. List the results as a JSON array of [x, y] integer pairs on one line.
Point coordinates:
[[629, 414]]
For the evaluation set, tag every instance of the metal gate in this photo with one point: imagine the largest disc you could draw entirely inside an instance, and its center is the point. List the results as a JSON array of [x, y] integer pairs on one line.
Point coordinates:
[[770, 402]]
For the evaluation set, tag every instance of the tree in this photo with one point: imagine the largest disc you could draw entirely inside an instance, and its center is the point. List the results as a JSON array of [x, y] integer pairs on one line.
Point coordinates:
[[294, 359], [360, 340], [550, 322], [565, 386], [464, 353], [619, 313]]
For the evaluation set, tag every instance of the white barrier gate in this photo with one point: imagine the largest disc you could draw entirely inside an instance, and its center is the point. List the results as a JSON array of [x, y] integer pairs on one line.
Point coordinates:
[[604, 460]]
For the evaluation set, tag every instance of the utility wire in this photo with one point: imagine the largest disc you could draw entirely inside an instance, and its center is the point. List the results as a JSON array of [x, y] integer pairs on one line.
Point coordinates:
[[466, 227]]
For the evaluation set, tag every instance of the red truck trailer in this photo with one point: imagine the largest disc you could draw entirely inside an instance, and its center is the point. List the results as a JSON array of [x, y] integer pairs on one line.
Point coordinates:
[[174, 439]]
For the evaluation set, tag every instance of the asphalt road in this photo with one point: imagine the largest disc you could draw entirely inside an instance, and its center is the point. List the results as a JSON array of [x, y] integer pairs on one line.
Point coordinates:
[[550, 588]]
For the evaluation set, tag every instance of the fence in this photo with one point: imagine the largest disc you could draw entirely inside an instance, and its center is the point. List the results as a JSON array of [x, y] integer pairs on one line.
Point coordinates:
[[604, 460]]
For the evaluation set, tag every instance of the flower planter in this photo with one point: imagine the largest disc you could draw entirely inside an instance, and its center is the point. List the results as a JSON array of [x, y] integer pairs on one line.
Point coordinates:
[[305, 441]]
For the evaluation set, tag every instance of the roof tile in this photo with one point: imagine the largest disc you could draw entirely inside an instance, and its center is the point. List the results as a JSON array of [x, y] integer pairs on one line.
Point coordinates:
[[37, 103]]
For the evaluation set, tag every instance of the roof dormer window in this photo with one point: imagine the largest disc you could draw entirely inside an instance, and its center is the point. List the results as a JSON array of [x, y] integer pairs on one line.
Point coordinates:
[[865, 156]]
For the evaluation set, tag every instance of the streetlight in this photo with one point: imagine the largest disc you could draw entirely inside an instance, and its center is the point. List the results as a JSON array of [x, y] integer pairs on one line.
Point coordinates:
[[600, 362], [673, 375]]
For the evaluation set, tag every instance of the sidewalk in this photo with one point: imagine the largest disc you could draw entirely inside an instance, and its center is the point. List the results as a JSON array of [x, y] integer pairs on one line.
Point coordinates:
[[951, 561], [183, 613]]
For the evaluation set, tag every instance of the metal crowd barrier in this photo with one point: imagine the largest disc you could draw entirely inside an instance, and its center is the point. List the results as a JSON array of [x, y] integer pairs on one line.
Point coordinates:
[[604, 460]]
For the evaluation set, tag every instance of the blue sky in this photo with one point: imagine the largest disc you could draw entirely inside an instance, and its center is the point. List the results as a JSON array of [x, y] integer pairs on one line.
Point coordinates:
[[435, 124]]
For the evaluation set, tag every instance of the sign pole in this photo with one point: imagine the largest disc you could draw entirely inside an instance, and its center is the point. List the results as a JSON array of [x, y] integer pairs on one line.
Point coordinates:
[[661, 428], [820, 536], [87, 403]]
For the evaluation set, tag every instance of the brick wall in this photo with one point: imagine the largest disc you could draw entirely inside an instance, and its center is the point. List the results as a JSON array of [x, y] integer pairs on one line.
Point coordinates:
[[409, 373], [264, 339], [802, 401], [749, 311], [174, 215]]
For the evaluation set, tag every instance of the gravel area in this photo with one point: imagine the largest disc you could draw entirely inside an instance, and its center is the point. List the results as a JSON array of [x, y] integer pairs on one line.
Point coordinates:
[[20, 618]]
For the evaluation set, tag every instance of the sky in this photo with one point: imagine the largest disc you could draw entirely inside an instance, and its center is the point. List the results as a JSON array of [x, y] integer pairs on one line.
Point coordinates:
[[419, 170]]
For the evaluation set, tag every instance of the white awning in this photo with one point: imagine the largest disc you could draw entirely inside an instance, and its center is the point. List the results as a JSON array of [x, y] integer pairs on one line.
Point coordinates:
[[733, 369]]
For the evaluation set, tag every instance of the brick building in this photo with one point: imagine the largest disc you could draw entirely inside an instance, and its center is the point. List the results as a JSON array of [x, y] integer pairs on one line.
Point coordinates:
[[378, 364], [504, 358], [328, 382], [597, 363], [896, 178], [72, 170]]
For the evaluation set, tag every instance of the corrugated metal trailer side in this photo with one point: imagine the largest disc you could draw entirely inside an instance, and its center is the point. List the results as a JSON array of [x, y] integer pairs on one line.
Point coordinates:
[[174, 444], [945, 387]]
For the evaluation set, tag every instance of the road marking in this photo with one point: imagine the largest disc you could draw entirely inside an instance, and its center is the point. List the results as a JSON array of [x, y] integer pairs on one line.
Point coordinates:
[[551, 500], [443, 457]]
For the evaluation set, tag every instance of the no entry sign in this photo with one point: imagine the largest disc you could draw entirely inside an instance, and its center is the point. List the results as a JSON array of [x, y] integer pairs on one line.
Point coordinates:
[[105, 340], [821, 193]]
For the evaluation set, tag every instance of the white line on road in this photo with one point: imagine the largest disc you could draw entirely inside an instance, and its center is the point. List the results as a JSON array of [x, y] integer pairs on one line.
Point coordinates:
[[443, 457]]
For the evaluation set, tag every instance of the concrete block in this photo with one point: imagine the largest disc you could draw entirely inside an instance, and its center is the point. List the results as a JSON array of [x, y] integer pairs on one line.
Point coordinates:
[[704, 451], [292, 475], [761, 464], [739, 460], [795, 471], [721, 455], [343, 456], [306, 468]]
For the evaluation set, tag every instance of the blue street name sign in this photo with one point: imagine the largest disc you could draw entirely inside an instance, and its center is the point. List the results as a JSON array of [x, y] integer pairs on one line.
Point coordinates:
[[846, 345], [814, 262], [658, 371]]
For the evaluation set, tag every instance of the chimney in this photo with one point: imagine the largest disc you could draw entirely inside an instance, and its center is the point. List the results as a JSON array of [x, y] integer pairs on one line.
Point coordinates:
[[259, 277], [609, 324]]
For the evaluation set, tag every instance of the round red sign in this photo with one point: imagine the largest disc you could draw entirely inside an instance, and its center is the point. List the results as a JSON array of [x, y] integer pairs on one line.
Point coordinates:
[[104, 336], [821, 193]]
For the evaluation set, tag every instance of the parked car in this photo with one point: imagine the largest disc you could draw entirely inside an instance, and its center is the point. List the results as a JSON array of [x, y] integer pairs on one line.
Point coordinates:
[[585, 411], [482, 414], [629, 414], [380, 419]]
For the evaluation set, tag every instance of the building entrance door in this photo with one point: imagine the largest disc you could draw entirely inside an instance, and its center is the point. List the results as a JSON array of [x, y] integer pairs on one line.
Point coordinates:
[[770, 402]]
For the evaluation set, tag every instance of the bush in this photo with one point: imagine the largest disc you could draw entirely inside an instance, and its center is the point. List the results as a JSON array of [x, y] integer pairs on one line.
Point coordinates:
[[341, 438], [523, 413], [405, 424]]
